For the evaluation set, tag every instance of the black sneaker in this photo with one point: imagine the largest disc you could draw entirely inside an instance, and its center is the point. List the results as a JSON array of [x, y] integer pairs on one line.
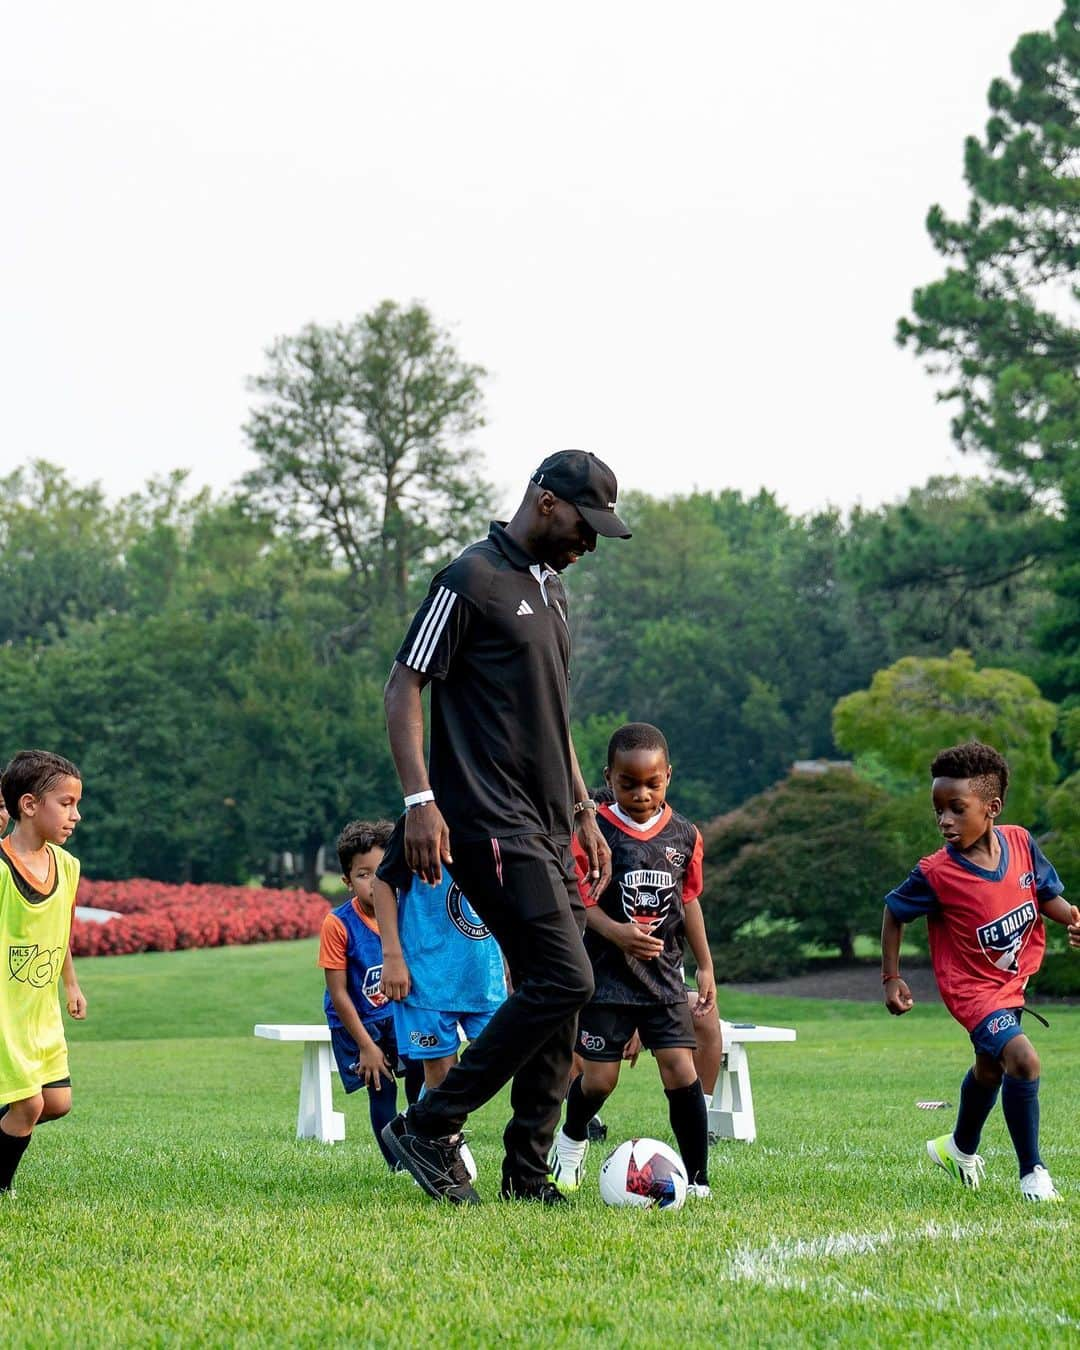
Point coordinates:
[[435, 1163], [540, 1192], [596, 1130]]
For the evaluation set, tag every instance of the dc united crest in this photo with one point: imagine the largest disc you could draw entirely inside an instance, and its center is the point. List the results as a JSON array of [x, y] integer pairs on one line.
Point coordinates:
[[647, 894], [1003, 940], [462, 915]]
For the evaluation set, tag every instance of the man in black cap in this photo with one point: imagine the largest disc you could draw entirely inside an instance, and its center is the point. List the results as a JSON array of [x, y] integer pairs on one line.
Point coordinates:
[[497, 810]]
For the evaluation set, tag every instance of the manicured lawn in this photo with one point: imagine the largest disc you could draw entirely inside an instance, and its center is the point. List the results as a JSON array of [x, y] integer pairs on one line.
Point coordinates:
[[174, 1207]]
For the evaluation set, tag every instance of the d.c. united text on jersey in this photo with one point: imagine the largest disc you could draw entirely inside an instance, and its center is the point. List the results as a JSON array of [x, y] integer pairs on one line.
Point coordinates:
[[654, 873], [985, 930]]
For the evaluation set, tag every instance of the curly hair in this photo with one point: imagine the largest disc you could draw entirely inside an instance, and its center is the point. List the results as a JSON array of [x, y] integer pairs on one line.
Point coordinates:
[[636, 736], [985, 766], [361, 836]]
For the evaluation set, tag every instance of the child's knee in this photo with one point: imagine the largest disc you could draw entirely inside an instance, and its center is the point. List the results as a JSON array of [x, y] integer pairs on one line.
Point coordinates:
[[1020, 1059], [987, 1071], [22, 1116], [600, 1077], [56, 1105], [677, 1068]]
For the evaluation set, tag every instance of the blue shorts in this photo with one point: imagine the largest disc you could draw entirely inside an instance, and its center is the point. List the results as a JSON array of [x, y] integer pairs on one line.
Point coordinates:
[[996, 1030], [346, 1051], [426, 1034]]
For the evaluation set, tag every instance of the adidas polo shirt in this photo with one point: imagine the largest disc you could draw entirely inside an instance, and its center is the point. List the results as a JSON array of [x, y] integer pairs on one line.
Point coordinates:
[[492, 636]]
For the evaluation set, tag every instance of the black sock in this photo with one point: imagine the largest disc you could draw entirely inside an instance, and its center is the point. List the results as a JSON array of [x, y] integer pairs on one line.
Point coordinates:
[[690, 1125], [12, 1147], [580, 1109], [1020, 1105], [976, 1103]]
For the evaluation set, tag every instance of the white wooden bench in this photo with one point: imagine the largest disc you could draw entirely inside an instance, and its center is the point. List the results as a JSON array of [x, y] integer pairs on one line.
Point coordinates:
[[316, 1118], [731, 1113]]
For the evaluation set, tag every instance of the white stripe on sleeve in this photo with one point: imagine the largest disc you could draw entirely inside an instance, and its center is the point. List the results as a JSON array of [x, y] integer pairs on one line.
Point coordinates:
[[431, 630]]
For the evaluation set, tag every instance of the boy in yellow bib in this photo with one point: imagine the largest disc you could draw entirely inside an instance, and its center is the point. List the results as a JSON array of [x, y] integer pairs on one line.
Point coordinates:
[[38, 880]]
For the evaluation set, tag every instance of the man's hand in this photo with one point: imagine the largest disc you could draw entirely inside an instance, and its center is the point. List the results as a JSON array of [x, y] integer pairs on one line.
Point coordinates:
[[595, 847], [427, 842], [637, 940], [76, 1003], [372, 1066], [706, 993], [1073, 928], [395, 977], [898, 998]]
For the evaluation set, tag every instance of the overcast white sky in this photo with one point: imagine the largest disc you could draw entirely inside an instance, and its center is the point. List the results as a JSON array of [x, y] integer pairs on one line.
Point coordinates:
[[679, 235]]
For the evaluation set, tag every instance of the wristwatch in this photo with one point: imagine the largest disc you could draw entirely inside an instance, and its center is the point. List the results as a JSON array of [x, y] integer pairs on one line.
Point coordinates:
[[587, 805]]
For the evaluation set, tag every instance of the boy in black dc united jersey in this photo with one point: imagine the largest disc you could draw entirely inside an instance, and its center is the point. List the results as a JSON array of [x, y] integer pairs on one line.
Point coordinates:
[[635, 935]]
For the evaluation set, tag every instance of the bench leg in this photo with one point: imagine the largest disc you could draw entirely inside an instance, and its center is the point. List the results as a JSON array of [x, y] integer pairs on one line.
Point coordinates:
[[316, 1118], [732, 1113]]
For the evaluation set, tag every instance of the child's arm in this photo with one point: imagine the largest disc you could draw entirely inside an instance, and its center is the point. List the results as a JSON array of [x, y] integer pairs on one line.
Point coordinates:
[[699, 945], [898, 997], [371, 1064], [76, 1001], [1061, 911], [634, 939], [395, 973]]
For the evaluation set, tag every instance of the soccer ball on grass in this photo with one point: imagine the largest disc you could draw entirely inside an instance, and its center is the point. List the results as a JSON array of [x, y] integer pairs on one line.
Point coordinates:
[[644, 1173]]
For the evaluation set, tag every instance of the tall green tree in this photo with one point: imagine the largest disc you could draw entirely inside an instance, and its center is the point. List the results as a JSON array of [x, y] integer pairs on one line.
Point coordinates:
[[920, 705], [1002, 325], [362, 436]]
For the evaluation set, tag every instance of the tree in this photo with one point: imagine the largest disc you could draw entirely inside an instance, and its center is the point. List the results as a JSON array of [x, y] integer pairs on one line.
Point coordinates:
[[808, 851], [60, 553], [361, 437], [920, 705], [1002, 323]]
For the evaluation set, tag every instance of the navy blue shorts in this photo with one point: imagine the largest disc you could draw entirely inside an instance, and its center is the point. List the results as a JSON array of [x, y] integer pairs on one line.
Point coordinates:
[[996, 1030], [346, 1051]]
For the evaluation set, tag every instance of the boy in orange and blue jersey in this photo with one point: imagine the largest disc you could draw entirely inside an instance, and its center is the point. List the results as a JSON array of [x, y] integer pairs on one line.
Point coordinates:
[[984, 896]]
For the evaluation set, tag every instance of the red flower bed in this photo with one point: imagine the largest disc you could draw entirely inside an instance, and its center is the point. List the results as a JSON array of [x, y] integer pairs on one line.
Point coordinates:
[[156, 917]]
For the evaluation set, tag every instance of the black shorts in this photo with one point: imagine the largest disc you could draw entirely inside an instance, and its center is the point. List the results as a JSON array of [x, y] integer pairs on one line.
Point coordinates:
[[605, 1028]]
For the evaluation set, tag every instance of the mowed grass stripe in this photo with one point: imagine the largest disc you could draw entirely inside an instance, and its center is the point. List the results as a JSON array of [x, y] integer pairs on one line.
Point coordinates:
[[174, 1207]]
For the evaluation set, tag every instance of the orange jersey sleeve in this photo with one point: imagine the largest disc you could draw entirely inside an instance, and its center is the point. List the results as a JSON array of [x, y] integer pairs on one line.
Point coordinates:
[[333, 944], [694, 880]]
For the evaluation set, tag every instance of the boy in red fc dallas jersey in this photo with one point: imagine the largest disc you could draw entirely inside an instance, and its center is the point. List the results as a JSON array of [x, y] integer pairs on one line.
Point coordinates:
[[984, 896]]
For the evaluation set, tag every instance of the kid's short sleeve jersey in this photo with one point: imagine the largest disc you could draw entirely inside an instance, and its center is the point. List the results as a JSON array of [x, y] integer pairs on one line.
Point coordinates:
[[654, 874], [985, 930], [455, 965], [349, 941], [35, 926]]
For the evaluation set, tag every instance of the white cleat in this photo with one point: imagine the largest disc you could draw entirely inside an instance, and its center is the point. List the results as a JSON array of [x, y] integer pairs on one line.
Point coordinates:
[[966, 1168], [1036, 1185], [697, 1190], [568, 1162]]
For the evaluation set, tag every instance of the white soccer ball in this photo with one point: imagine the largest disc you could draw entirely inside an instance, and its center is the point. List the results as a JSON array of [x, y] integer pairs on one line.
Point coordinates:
[[644, 1173]]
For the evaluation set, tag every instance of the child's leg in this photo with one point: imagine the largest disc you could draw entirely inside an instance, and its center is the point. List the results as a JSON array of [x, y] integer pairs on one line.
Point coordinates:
[[16, 1126], [1020, 1101], [382, 1102], [435, 1070], [588, 1092], [686, 1110], [415, 1078], [57, 1099], [978, 1093], [710, 1046]]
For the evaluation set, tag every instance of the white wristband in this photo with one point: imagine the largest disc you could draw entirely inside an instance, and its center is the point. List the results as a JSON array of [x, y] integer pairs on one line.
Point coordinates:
[[418, 799]]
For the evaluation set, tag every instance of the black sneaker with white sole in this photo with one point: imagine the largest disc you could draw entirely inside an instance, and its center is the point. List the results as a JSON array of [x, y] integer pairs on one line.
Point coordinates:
[[436, 1164]]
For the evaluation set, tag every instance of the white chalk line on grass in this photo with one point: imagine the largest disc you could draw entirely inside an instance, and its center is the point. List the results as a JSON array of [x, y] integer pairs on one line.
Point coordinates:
[[770, 1267]]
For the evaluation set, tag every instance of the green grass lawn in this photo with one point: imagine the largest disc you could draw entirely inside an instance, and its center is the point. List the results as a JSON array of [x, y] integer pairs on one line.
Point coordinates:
[[174, 1206]]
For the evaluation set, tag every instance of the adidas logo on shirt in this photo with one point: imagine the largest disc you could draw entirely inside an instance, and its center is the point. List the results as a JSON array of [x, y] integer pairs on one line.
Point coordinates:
[[525, 608]]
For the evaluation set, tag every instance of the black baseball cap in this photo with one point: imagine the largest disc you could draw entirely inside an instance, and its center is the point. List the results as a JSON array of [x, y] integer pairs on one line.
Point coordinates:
[[578, 477]]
